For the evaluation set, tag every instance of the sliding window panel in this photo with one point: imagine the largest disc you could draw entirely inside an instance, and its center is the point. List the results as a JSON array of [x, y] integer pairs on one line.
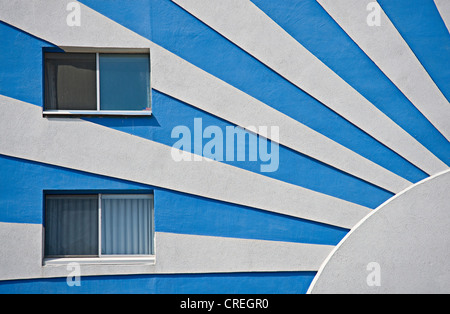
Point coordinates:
[[127, 225], [124, 82], [70, 81], [71, 225]]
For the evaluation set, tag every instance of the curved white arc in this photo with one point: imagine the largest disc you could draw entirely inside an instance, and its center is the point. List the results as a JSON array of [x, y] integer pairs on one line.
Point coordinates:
[[244, 24], [362, 221], [77, 144], [181, 80], [443, 7], [389, 51]]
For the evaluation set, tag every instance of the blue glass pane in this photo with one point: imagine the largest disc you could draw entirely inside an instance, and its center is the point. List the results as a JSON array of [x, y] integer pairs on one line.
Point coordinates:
[[124, 81]]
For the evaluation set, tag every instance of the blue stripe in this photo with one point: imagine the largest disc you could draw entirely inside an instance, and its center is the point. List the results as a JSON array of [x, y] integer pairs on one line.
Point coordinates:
[[294, 167], [232, 283], [21, 65], [420, 24], [310, 25], [23, 184], [179, 213], [203, 47]]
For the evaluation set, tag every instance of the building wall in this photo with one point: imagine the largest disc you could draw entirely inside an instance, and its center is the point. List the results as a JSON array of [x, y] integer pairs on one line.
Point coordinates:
[[354, 131]]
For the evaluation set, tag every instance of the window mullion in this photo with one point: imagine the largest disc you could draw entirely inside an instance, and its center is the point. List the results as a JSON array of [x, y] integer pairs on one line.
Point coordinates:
[[97, 61], [99, 225]]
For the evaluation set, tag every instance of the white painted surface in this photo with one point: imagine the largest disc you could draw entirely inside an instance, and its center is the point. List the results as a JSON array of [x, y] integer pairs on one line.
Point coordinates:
[[244, 24], [444, 10], [180, 79], [22, 246], [46, 19], [408, 237], [389, 51], [77, 144], [201, 254], [20, 251]]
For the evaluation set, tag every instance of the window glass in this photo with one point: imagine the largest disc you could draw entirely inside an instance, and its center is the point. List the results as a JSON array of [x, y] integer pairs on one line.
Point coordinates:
[[126, 224], [70, 81], [124, 81], [71, 225]]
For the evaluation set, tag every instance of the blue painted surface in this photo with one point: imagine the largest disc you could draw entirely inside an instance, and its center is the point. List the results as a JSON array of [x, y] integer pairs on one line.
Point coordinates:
[[237, 283], [21, 65], [310, 25], [181, 33], [294, 168], [23, 184], [168, 113], [179, 213], [420, 24]]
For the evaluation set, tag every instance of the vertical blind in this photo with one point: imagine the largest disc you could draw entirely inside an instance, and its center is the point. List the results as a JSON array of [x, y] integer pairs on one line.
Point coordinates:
[[72, 225], [126, 224]]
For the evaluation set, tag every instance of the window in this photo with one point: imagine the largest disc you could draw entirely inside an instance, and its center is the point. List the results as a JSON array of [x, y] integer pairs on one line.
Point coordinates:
[[98, 225], [97, 83]]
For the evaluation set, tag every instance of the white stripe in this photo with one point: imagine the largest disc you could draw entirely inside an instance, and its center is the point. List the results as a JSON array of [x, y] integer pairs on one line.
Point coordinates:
[[443, 7], [177, 78], [182, 253], [47, 19], [22, 248], [85, 146], [180, 79], [248, 27], [386, 47]]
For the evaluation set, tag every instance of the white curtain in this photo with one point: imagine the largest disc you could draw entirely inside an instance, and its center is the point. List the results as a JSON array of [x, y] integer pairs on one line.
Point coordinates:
[[71, 225], [127, 224]]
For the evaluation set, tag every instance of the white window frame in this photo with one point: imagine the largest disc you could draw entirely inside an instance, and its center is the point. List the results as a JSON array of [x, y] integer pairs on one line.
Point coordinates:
[[100, 112], [109, 259]]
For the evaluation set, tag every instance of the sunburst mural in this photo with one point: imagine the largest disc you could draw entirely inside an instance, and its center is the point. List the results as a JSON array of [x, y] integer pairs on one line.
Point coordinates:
[[317, 157]]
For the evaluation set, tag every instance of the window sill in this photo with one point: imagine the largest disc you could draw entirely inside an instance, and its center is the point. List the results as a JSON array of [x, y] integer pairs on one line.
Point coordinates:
[[96, 113], [110, 260]]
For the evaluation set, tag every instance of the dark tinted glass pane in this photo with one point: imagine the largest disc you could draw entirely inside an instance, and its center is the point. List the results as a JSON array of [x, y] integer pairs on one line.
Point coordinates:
[[71, 225], [70, 81], [124, 81]]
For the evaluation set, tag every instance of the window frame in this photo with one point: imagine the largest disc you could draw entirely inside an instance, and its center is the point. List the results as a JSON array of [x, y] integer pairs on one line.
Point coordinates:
[[98, 111], [57, 259]]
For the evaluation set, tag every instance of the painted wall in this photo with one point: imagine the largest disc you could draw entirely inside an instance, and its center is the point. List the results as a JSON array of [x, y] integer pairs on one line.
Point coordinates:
[[177, 27]]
